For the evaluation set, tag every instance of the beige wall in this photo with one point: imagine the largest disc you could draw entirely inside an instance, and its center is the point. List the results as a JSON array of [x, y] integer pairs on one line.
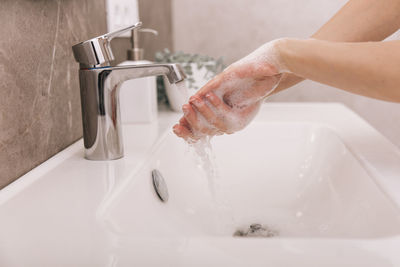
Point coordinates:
[[40, 110], [236, 27]]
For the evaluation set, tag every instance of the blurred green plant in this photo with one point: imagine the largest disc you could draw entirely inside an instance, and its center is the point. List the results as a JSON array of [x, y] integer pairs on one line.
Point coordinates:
[[187, 61]]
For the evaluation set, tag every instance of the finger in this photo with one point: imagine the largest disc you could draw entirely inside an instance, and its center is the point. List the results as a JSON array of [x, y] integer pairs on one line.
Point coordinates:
[[203, 109], [180, 130], [224, 121], [183, 132], [211, 85], [203, 126], [217, 102], [185, 123], [212, 118], [190, 116], [192, 119]]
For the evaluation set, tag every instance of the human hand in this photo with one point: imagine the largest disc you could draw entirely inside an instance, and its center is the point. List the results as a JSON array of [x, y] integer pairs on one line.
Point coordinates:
[[230, 101]]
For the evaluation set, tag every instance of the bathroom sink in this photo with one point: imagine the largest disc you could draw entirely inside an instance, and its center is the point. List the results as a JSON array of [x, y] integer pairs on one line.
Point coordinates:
[[324, 188]]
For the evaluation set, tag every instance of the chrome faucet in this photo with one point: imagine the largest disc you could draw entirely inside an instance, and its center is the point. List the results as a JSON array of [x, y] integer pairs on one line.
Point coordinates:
[[99, 86]]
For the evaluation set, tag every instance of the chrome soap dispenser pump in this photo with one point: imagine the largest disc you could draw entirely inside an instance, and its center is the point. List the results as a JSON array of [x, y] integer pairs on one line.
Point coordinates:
[[139, 96]]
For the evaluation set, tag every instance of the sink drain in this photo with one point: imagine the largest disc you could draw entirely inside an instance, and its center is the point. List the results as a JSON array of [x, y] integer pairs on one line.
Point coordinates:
[[257, 230], [159, 185]]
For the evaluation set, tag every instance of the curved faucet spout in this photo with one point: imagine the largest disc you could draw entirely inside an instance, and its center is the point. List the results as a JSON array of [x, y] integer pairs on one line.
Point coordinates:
[[100, 104], [120, 74]]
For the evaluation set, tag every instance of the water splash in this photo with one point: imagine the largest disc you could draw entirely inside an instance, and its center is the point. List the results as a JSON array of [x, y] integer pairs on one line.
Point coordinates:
[[206, 162], [182, 89]]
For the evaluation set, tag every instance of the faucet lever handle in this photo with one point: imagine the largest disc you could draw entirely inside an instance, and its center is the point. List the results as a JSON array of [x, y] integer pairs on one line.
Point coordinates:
[[97, 51], [109, 36]]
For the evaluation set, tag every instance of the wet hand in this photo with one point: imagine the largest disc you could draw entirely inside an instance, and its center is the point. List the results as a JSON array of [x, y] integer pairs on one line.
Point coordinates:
[[224, 105], [229, 102]]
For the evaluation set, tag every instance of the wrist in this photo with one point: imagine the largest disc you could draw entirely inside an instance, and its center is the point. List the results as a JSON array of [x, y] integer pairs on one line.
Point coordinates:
[[277, 47], [266, 59], [284, 50], [290, 52]]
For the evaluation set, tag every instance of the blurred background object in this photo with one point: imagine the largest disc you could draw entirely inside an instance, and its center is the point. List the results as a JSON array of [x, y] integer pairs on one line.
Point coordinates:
[[155, 14], [199, 69]]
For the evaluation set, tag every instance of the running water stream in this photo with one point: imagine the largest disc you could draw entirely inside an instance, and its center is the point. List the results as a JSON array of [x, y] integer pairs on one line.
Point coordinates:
[[203, 150], [206, 162], [204, 156]]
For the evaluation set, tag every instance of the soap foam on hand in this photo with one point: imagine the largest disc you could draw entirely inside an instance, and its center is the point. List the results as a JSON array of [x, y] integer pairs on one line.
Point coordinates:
[[267, 53], [242, 87], [242, 100]]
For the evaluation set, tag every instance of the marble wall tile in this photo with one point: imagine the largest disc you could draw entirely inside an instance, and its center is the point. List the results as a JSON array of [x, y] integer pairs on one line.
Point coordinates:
[[40, 110], [234, 28]]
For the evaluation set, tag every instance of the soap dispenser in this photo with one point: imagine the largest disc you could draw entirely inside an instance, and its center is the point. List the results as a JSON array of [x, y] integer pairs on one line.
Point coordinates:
[[138, 97]]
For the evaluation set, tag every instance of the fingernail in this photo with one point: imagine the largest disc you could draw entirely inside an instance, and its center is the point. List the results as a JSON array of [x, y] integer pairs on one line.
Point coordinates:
[[185, 110], [210, 96], [176, 131]]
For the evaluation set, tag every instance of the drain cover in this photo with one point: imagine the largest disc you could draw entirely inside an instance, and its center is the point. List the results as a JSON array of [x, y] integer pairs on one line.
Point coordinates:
[[159, 185], [256, 230]]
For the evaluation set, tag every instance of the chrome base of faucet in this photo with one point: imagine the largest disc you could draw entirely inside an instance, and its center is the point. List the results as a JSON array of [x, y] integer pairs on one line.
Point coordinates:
[[101, 117]]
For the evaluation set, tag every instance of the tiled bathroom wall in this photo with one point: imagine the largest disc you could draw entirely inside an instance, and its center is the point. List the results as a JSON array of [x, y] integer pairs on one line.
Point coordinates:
[[234, 28], [40, 110]]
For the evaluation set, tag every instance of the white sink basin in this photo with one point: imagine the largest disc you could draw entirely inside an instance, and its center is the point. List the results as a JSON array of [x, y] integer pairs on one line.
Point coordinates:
[[328, 187]]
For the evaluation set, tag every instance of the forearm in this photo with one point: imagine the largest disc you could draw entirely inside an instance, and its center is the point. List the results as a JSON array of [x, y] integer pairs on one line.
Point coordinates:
[[371, 69], [361, 21], [357, 21]]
